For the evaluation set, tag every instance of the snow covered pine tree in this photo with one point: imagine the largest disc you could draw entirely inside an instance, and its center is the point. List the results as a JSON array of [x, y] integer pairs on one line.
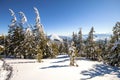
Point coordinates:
[[80, 45], [114, 55], [40, 37], [72, 55], [90, 46], [15, 37]]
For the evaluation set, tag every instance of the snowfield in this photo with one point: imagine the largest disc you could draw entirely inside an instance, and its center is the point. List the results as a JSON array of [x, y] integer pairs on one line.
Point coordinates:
[[59, 69], [3, 73]]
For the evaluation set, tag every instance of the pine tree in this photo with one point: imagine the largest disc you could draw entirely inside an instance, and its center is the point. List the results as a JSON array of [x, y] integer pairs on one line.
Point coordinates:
[[39, 54], [26, 49], [2, 45], [90, 46], [72, 52], [29, 45], [74, 39], [2, 38], [104, 47], [61, 48], [9, 46], [55, 49], [14, 38], [116, 32], [114, 48], [100, 49], [44, 44], [66, 47], [41, 40], [18, 40], [46, 48], [80, 46]]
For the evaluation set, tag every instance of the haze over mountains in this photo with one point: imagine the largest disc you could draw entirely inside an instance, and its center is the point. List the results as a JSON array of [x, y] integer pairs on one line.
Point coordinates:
[[96, 37]]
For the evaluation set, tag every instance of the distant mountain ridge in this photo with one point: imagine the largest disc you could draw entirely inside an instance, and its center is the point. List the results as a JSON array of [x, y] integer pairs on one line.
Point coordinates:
[[99, 36], [96, 37]]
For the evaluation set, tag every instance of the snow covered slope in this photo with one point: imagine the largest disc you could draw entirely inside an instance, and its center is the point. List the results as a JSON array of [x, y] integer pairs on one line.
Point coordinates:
[[59, 69], [56, 37]]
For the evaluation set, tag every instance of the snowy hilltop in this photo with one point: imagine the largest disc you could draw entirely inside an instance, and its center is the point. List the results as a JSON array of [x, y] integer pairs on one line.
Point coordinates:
[[55, 37]]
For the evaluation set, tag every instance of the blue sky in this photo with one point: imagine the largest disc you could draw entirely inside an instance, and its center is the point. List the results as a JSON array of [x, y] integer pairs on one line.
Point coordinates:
[[64, 16]]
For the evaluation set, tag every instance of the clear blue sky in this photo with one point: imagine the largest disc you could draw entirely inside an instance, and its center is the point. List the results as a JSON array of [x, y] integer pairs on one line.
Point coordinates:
[[64, 16]]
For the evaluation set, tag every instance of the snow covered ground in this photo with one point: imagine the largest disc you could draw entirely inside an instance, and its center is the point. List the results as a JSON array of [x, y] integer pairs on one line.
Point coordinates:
[[59, 69], [3, 73]]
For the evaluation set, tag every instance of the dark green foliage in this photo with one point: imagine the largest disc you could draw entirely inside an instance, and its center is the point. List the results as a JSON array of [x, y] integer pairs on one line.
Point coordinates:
[[29, 45], [46, 49], [113, 57], [42, 41], [18, 41], [104, 50], [66, 47], [2, 45], [55, 49], [2, 40], [14, 40], [61, 48], [75, 39], [90, 46], [80, 44], [39, 54]]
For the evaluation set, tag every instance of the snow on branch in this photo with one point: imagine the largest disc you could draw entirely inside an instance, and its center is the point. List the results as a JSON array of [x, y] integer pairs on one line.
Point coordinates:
[[23, 19], [13, 15], [28, 32], [115, 45], [37, 15]]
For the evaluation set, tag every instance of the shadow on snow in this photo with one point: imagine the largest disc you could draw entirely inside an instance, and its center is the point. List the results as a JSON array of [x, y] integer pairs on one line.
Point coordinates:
[[62, 56], [100, 70], [60, 61], [54, 66]]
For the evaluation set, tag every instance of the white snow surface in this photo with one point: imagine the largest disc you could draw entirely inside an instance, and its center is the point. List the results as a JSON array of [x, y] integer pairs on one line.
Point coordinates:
[[55, 36], [3, 73], [1, 62], [59, 69]]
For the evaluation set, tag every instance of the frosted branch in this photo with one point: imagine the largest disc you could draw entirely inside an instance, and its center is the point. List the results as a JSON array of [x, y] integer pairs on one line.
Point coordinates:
[[115, 45], [37, 15], [28, 32], [24, 19], [13, 15]]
